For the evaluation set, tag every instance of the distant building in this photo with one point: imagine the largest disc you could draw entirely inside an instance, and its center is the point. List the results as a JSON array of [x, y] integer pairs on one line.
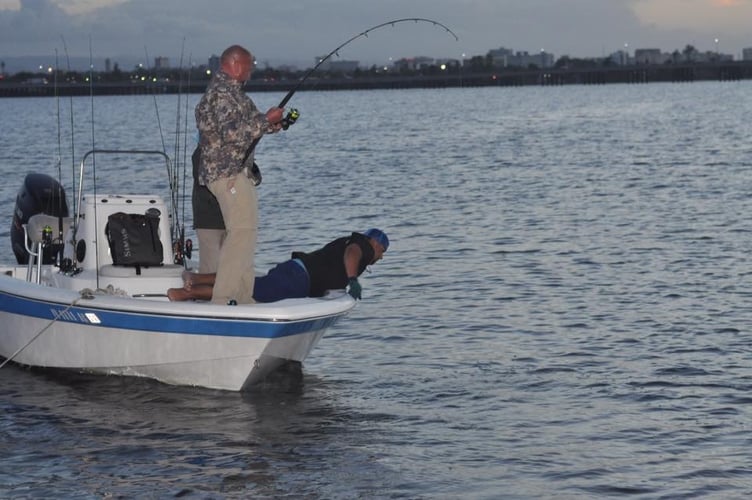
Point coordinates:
[[500, 57], [503, 58], [290, 68], [161, 63], [413, 63], [725, 57], [337, 65], [620, 57], [650, 56], [747, 54], [711, 56], [449, 62], [214, 63]]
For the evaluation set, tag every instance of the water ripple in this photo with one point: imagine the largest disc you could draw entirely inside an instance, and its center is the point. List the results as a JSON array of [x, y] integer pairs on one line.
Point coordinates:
[[562, 312]]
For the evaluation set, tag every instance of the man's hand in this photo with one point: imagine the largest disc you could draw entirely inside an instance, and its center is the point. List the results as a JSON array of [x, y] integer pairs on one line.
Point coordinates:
[[274, 115]]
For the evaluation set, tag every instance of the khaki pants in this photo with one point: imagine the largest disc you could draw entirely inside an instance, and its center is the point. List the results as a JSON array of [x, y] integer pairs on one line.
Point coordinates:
[[235, 272], [209, 245]]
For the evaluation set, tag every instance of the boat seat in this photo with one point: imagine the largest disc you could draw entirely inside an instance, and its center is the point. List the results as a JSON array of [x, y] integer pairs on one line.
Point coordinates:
[[34, 232], [35, 227], [164, 271]]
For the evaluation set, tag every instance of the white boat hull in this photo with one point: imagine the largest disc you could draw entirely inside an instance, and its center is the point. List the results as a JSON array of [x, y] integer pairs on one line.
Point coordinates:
[[219, 347]]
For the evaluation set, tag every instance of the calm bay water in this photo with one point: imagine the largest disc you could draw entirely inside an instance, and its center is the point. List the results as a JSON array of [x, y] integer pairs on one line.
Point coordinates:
[[563, 312]]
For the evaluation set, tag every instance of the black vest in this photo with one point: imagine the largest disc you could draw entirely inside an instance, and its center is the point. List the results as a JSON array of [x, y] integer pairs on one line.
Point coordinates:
[[326, 266]]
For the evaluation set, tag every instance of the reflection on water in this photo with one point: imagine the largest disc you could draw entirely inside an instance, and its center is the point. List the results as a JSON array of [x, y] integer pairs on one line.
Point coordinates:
[[175, 440]]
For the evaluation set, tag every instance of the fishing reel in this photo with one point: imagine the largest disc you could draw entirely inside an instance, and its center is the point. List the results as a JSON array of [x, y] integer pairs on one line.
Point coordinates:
[[46, 236], [292, 117]]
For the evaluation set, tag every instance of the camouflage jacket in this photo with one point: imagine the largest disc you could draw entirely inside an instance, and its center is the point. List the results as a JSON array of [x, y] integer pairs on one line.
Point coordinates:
[[228, 121]]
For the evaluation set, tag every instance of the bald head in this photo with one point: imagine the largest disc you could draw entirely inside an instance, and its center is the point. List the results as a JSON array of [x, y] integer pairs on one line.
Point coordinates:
[[237, 62], [233, 52]]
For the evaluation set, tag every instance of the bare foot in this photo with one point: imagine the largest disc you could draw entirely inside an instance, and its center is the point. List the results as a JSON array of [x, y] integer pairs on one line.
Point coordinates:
[[178, 294], [187, 279]]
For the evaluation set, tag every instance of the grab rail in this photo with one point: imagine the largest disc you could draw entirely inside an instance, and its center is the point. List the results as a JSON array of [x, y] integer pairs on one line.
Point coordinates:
[[168, 164]]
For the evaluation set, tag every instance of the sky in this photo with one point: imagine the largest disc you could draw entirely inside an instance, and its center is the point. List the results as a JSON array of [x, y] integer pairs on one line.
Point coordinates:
[[295, 32]]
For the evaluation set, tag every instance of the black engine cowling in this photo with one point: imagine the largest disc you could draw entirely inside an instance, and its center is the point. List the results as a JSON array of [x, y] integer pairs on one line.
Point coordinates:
[[40, 194]]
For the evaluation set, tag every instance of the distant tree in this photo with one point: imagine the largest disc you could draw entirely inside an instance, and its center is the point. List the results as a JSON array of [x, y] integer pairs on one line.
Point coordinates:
[[404, 70], [22, 76], [478, 63], [563, 62], [689, 53], [567, 62]]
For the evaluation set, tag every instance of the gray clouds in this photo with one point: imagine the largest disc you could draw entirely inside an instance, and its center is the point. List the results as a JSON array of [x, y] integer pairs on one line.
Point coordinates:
[[294, 32]]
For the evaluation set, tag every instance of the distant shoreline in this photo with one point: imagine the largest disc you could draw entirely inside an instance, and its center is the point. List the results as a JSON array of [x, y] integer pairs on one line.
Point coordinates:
[[729, 71]]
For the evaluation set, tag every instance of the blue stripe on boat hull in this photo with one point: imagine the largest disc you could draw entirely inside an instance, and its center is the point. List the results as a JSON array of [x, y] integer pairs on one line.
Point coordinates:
[[160, 323]]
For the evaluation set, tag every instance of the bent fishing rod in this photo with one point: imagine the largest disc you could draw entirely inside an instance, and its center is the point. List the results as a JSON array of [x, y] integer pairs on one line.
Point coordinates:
[[293, 114]]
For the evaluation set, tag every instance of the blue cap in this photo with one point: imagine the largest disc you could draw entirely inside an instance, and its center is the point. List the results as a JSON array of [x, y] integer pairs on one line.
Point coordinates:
[[378, 235]]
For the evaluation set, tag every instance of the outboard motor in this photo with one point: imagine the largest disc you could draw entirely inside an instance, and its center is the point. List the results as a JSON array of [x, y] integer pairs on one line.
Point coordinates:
[[40, 194]]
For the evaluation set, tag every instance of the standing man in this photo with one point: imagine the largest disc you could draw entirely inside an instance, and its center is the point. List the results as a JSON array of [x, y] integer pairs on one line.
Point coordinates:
[[228, 122]]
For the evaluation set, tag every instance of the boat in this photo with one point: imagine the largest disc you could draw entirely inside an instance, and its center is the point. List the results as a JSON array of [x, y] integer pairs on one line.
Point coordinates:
[[72, 301]]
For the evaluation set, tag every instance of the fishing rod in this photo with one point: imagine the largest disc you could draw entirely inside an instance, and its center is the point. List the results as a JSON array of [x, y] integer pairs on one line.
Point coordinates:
[[59, 133], [72, 127], [178, 236], [352, 39], [293, 114]]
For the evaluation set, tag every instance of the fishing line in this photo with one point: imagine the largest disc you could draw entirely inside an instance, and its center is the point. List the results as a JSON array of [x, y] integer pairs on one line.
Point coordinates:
[[365, 33], [185, 158], [60, 197], [171, 167], [73, 151], [185, 128], [156, 109], [178, 116], [59, 133], [93, 156], [175, 182], [178, 230]]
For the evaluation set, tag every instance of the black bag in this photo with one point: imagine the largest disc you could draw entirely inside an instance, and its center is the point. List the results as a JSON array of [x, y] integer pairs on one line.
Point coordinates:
[[134, 240]]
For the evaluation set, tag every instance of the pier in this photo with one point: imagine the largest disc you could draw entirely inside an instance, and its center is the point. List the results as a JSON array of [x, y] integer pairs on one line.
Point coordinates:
[[636, 74]]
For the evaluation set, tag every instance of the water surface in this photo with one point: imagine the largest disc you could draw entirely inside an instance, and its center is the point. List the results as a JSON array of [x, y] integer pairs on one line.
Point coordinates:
[[562, 312]]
